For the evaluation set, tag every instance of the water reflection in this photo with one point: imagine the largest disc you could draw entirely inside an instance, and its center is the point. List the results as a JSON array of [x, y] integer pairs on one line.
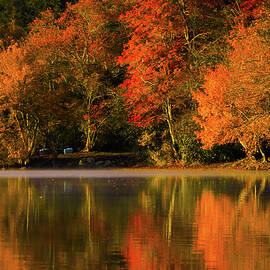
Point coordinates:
[[234, 233], [135, 223]]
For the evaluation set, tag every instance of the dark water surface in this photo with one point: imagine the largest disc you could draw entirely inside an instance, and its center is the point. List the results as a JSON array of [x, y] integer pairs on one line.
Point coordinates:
[[134, 220]]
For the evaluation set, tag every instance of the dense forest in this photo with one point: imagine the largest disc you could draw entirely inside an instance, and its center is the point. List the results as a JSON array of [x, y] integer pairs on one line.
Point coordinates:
[[176, 81]]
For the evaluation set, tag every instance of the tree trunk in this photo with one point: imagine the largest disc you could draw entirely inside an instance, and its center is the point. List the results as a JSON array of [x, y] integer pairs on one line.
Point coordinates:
[[248, 153], [261, 151], [88, 131], [90, 138], [170, 126]]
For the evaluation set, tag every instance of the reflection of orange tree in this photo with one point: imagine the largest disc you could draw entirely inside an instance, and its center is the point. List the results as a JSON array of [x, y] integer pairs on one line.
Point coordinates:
[[152, 242], [8, 259], [171, 197], [214, 220], [9, 250], [145, 248], [63, 228], [232, 238]]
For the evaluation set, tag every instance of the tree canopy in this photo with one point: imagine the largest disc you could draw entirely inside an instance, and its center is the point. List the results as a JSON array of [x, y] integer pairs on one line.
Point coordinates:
[[165, 78], [234, 105]]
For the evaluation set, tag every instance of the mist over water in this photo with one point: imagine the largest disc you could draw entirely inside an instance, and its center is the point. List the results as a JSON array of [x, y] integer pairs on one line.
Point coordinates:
[[134, 219], [123, 173]]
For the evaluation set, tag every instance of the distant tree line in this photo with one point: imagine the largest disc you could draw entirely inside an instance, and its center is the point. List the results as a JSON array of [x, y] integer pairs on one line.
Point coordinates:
[[15, 16]]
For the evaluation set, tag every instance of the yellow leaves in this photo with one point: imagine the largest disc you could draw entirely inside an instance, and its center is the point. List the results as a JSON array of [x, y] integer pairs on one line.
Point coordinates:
[[13, 70]]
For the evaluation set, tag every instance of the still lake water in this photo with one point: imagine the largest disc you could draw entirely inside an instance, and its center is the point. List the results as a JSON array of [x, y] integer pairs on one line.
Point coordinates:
[[126, 219]]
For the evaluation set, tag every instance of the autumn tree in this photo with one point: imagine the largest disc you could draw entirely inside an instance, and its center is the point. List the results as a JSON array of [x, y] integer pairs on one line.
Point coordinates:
[[170, 46], [234, 105], [81, 39], [56, 105], [155, 65], [19, 125]]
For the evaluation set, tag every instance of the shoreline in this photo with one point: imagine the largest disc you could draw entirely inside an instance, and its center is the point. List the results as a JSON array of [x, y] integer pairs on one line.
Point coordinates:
[[106, 160]]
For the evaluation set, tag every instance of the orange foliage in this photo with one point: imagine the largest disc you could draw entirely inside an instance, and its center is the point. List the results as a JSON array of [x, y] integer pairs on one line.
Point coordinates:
[[235, 102], [79, 34], [18, 125], [13, 71]]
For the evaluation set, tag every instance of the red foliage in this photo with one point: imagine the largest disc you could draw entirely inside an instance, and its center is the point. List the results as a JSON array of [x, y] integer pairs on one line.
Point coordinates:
[[153, 57]]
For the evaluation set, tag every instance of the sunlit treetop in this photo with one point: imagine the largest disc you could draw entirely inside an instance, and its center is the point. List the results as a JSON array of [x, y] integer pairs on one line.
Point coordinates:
[[234, 105]]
